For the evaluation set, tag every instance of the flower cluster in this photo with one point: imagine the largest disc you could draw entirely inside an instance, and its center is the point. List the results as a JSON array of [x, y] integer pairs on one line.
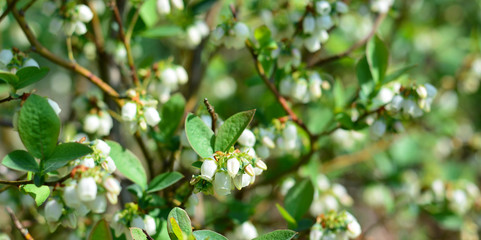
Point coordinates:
[[317, 22], [132, 217], [140, 111], [232, 35], [89, 189], [73, 18], [194, 34], [334, 225], [164, 7], [303, 88], [12, 62], [287, 56], [224, 171], [168, 78], [329, 197], [96, 119]]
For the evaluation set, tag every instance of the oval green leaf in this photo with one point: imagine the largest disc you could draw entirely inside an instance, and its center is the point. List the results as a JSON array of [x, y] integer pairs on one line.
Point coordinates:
[[231, 129], [29, 75], [64, 153], [200, 137], [172, 113], [128, 164], [20, 160], [278, 235], [39, 194], [179, 225], [208, 235], [101, 230], [163, 181], [377, 56], [299, 198], [139, 234]]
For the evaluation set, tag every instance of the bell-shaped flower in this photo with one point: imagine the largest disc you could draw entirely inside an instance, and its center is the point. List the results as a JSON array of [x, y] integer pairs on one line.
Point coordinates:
[[247, 138], [87, 189], [233, 166], [129, 111], [98, 205], [323, 7], [222, 183], [53, 210], [208, 169], [91, 123], [149, 223], [151, 116]]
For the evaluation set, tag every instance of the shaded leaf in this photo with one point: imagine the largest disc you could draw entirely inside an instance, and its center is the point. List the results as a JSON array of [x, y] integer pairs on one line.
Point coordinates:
[[172, 113], [398, 73], [278, 235], [377, 56], [162, 32], [138, 234], [30, 75], [128, 164], [163, 181], [299, 198], [208, 235], [286, 215], [364, 77], [232, 128], [20, 160], [200, 137], [8, 77], [64, 153], [148, 13], [101, 230]]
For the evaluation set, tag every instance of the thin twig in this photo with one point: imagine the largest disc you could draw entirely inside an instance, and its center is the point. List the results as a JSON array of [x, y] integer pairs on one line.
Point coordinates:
[[28, 5], [316, 61], [19, 225], [145, 151], [24, 182], [10, 6], [211, 111]]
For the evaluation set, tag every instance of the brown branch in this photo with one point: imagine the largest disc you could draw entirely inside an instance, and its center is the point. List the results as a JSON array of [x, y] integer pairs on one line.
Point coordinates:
[[28, 5], [40, 49], [24, 182], [19, 225], [316, 61], [212, 113], [126, 41], [10, 6], [145, 152]]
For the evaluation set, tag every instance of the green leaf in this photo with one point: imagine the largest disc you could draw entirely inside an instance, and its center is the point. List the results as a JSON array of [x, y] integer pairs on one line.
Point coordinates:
[[172, 113], [30, 75], [64, 153], [278, 235], [201, 6], [163, 181], [8, 77], [339, 95], [162, 32], [38, 126], [138, 234], [263, 35], [286, 215], [208, 235], [128, 164], [364, 77], [179, 225], [232, 128], [377, 56], [148, 13], [200, 137], [39, 194], [20, 160], [101, 230], [398, 73], [299, 198]]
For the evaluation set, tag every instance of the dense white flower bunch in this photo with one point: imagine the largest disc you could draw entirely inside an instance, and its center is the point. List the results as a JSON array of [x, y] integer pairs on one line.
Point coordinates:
[[99, 123], [329, 197], [73, 19], [287, 56], [232, 34], [164, 6], [316, 23], [132, 217], [340, 226], [224, 171], [194, 34], [89, 189], [304, 89], [140, 111], [411, 101], [459, 197], [12, 62], [381, 6], [167, 79]]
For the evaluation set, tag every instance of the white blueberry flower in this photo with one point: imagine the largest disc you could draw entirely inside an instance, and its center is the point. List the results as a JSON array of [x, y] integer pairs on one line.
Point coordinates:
[[87, 189], [91, 123], [98, 205], [315, 82], [169, 78], [208, 169], [322, 182], [179, 4], [353, 227], [378, 128], [233, 166], [54, 106], [316, 232], [431, 90], [151, 116], [285, 86], [396, 103], [245, 231], [129, 111], [324, 22], [308, 24], [106, 124], [137, 222], [386, 95], [194, 36], [112, 185], [88, 161], [84, 13], [6, 56], [437, 187], [459, 202], [249, 170], [341, 7], [202, 27], [422, 92], [222, 183], [241, 31], [182, 76], [109, 165], [70, 196], [312, 43], [330, 203], [289, 132], [322, 35], [247, 138], [411, 108], [163, 7], [381, 6], [261, 164], [242, 180], [103, 147], [217, 35], [149, 223], [53, 210], [323, 7]]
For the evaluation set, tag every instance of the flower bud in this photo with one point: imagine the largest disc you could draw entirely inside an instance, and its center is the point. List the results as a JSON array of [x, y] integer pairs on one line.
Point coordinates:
[[87, 189], [80, 28], [151, 116], [6, 56], [169, 78], [341, 7], [182, 76], [70, 196], [84, 13], [263, 151], [88, 161], [53, 210], [378, 128], [54, 106], [242, 180], [245, 231], [179, 4], [112, 198], [106, 124], [149, 223], [289, 132], [112, 185], [98, 205], [233, 166], [129, 111], [202, 27], [208, 168], [422, 92], [194, 36], [267, 141], [285, 86], [163, 7], [241, 31], [91, 123], [261, 164], [308, 24], [353, 227], [109, 165], [217, 35], [222, 183], [323, 7], [137, 222], [324, 22], [312, 44], [315, 82], [316, 232], [30, 63], [249, 170], [431, 90], [247, 138], [103, 147]]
